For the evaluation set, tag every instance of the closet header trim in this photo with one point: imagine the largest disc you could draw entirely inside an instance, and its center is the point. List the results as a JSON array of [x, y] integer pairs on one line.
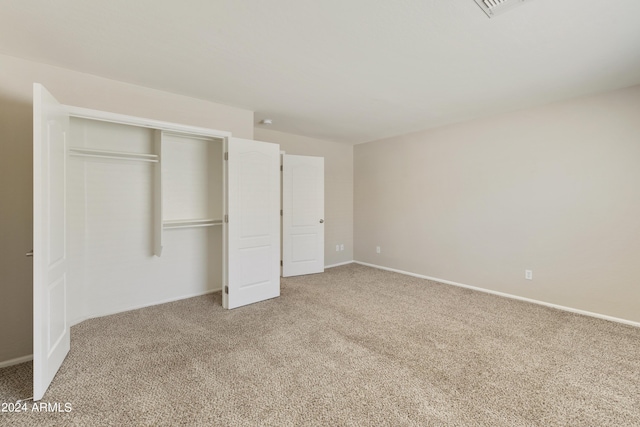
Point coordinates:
[[86, 113]]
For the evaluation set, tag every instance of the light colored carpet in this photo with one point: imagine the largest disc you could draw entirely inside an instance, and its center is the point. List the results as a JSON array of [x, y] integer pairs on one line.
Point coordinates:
[[354, 346]]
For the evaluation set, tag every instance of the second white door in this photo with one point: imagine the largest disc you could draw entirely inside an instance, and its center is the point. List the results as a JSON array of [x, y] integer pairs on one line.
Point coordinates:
[[303, 215]]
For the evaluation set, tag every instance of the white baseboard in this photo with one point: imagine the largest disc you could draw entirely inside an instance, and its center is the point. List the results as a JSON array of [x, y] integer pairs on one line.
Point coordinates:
[[502, 294], [136, 307], [16, 361], [339, 264]]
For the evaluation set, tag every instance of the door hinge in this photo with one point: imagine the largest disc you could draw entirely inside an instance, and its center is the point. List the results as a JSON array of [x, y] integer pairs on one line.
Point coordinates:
[[226, 155], [281, 169], [281, 263], [226, 290], [280, 212], [226, 218]]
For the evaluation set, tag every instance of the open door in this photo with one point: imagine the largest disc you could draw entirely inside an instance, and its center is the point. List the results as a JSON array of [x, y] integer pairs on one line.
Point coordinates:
[[51, 332], [253, 222], [302, 215]]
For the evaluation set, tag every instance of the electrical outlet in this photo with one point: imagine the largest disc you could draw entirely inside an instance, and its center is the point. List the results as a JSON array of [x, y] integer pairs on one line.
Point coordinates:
[[342, 246], [528, 274], [377, 249], [337, 248]]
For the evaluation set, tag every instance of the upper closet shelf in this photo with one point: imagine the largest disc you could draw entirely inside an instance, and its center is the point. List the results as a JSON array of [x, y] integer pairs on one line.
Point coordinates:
[[117, 155]]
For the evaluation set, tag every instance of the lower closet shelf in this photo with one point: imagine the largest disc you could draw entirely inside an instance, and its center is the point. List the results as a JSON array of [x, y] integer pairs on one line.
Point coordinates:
[[190, 223]]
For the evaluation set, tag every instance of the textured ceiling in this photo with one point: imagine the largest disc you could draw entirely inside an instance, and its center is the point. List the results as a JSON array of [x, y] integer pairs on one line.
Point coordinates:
[[342, 70]]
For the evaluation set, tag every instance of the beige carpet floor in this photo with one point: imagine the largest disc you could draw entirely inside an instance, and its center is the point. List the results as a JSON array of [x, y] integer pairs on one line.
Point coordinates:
[[354, 346]]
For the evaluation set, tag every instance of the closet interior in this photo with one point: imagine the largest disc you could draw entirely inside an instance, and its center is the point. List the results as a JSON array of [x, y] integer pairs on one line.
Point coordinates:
[[144, 211], [128, 212]]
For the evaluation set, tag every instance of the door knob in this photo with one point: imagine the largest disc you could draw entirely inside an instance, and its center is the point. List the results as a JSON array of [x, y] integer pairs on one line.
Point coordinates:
[[30, 253], [321, 221]]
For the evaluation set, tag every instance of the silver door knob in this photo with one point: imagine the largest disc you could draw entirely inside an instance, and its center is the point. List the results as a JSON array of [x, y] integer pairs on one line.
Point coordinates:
[[321, 221]]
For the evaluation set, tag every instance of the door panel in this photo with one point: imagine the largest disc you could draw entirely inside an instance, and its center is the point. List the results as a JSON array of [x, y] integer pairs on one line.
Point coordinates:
[[51, 333], [253, 230], [303, 215]]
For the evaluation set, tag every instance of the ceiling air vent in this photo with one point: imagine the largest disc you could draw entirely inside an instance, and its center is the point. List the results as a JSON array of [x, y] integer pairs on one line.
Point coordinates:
[[496, 7]]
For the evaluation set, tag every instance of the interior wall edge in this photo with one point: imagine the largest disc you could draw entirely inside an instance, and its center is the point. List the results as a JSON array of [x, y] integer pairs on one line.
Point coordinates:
[[506, 295]]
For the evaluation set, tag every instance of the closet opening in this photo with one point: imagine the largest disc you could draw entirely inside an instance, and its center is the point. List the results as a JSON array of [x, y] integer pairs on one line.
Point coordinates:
[[144, 216], [128, 212]]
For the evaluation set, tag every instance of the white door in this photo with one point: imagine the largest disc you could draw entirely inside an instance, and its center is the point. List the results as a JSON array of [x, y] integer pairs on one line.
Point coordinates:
[[253, 228], [51, 334], [302, 215]]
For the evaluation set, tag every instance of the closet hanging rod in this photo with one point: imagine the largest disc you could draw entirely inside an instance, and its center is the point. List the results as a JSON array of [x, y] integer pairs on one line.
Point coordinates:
[[116, 155], [189, 136], [190, 223], [123, 153], [182, 221], [99, 156], [174, 227]]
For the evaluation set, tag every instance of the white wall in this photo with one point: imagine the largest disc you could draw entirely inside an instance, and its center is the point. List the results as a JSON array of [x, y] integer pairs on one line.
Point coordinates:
[[553, 189], [16, 180], [338, 187]]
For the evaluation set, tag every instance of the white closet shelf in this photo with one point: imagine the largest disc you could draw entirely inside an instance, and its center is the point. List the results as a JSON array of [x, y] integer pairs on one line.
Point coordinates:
[[117, 155], [190, 223]]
